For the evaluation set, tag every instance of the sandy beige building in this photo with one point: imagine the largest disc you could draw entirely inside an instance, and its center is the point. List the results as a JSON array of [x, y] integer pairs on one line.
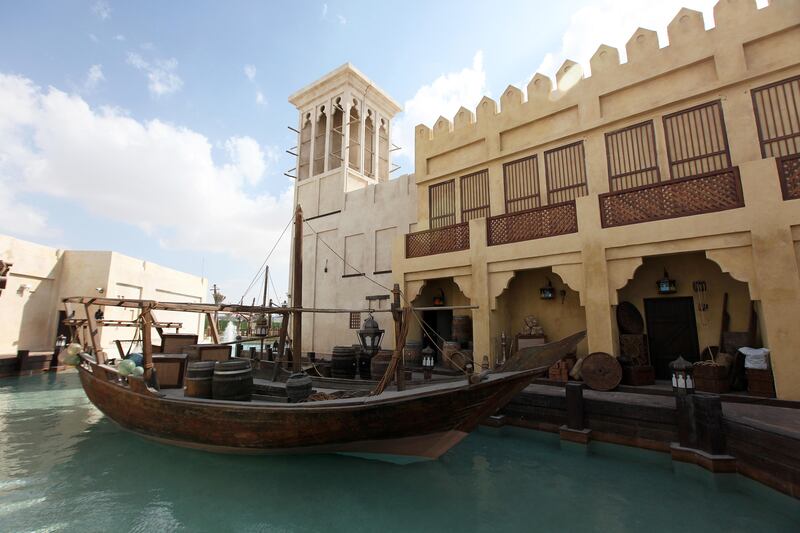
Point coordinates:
[[353, 211], [682, 160], [40, 276]]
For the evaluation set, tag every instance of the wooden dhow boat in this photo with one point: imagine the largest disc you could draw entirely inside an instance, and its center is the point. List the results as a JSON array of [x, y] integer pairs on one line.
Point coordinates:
[[409, 423]]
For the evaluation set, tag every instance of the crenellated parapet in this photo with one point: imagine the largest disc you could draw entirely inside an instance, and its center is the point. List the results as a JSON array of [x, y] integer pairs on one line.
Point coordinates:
[[696, 61]]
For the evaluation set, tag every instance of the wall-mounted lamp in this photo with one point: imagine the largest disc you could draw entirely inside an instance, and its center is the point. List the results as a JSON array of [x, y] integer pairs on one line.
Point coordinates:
[[666, 285], [439, 300], [101, 290], [547, 292], [326, 265]]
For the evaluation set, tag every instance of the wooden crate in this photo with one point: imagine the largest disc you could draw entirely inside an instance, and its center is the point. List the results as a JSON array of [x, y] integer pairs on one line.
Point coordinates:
[[208, 352], [760, 382], [634, 348], [170, 370], [711, 378], [174, 342], [638, 375]]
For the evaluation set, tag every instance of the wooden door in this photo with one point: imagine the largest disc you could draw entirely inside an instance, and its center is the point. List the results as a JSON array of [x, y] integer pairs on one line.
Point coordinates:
[[671, 332], [439, 325]]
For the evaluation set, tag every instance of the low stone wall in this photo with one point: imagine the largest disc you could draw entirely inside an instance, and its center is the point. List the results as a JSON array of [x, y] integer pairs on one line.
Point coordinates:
[[763, 442]]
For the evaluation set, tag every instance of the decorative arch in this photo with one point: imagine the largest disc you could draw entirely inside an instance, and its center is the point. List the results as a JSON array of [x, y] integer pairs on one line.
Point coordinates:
[[620, 272], [738, 263]]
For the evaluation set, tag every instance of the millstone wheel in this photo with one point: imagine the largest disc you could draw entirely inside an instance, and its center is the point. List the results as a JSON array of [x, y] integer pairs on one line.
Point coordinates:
[[601, 371]]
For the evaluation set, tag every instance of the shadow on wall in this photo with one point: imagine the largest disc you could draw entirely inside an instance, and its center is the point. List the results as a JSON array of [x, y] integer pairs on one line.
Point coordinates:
[[38, 319]]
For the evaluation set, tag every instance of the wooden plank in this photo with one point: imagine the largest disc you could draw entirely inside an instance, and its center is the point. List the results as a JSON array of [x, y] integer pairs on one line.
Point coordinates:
[[214, 330]]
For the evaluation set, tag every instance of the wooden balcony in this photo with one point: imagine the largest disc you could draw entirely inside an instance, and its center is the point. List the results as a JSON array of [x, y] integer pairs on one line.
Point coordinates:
[[695, 195], [537, 223], [789, 173], [438, 241]]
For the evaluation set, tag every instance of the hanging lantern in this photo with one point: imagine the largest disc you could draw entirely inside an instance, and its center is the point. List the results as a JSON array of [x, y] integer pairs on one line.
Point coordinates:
[[370, 336], [666, 285], [439, 299], [682, 380], [262, 327], [547, 293]]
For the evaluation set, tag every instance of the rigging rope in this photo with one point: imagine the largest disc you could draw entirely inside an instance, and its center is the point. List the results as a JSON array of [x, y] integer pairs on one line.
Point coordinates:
[[264, 264], [425, 331]]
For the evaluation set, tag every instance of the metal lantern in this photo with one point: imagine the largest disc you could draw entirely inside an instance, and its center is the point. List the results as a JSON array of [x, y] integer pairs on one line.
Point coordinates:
[[61, 343], [547, 293], [428, 363], [370, 336], [666, 285], [682, 380], [262, 327]]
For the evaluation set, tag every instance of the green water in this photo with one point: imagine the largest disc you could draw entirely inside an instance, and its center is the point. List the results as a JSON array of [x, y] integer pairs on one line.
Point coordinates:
[[64, 467]]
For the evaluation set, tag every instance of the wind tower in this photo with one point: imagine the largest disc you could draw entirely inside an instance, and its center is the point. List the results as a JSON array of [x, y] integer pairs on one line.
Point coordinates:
[[344, 131]]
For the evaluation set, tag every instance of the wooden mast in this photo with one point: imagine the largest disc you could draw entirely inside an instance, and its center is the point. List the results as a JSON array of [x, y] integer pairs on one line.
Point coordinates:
[[147, 344], [297, 290]]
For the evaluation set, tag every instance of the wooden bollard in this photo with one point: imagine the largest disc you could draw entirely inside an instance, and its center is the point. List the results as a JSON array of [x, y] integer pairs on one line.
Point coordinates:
[[574, 397]]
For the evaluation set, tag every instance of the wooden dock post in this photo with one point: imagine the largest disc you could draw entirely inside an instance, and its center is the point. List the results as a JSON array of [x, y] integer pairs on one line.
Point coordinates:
[[297, 290], [574, 430]]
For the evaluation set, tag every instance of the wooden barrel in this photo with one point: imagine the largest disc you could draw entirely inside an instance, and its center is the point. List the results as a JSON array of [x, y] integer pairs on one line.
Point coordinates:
[[233, 380], [412, 353], [462, 329], [448, 350], [199, 375], [343, 362], [298, 387]]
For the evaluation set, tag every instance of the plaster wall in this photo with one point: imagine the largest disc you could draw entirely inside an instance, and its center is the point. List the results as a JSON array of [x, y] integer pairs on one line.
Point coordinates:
[[30, 317], [757, 244]]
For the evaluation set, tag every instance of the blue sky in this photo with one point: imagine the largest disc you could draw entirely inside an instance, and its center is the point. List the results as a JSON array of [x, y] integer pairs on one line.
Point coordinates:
[[158, 129]]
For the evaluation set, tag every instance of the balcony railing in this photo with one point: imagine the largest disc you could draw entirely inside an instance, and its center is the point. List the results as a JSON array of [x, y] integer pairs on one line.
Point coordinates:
[[695, 195], [537, 223], [438, 241], [789, 172]]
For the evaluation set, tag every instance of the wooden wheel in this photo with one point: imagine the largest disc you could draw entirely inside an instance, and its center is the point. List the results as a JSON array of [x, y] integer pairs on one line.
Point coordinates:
[[601, 371]]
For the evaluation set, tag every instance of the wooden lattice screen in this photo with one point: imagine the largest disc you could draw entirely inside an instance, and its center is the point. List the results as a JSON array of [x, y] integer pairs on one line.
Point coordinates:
[[521, 180], [565, 169], [355, 320], [777, 109], [475, 195], [442, 204], [696, 141], [632, 159]]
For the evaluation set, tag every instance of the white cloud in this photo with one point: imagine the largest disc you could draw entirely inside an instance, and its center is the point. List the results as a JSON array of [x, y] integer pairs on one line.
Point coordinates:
[[342, 19], [444, 96], [250, 72], [94, 38], [260, 100], [161, 77], [324, 10], [94, 77], [101, 9], [153, 175], [119, 37]]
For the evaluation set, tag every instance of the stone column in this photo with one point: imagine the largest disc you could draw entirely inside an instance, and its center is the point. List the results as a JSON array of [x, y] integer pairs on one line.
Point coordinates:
[[481, 330]]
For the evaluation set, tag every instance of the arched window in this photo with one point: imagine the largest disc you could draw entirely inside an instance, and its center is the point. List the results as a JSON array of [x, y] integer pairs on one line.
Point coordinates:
[[369, 144], [337, 134], [354, 145], [383, 150], [319, 142], [305, 148]]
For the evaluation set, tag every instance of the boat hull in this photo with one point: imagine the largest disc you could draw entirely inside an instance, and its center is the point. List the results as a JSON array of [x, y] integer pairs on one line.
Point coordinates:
[[417, 423]]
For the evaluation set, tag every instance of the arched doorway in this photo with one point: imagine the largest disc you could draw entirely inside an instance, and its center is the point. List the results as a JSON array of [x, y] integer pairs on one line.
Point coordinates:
[[689, 320]]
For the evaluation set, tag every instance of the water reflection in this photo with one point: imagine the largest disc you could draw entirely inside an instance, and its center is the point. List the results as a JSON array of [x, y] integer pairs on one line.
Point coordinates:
[[63, 465]]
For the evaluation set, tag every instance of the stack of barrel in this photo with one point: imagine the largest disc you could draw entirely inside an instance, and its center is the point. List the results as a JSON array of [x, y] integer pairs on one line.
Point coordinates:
[[221, 380]]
